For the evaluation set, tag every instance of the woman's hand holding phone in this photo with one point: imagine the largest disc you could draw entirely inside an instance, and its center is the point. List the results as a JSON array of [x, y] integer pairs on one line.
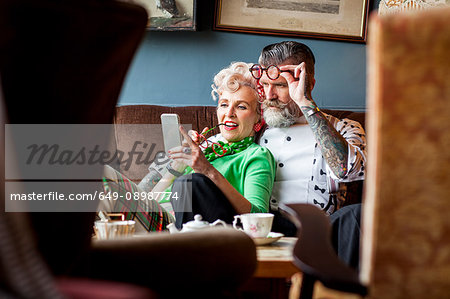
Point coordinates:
[[190, 154]]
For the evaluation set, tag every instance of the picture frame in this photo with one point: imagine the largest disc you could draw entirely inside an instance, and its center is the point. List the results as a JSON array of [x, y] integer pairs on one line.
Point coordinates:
[[171, 15], [343, 20]]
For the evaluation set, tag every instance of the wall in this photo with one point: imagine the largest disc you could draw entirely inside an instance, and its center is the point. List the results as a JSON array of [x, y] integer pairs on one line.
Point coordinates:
[[176, 68]]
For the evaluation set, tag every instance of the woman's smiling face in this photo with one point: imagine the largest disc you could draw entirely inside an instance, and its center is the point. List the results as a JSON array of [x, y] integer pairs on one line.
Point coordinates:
[[238, 110]]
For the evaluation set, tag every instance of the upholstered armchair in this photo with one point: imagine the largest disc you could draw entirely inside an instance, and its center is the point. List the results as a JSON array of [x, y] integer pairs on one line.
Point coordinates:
[[406, 229]]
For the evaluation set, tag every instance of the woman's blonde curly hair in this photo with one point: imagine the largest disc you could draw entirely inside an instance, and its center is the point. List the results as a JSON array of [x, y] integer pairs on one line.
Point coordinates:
[[232, 78]]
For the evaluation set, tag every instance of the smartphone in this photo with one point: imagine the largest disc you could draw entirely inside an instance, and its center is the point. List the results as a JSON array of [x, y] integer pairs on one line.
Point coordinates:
[[170, 129]]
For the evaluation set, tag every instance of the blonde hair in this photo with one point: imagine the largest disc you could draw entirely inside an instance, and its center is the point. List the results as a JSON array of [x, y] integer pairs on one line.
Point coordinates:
[[237, 74]]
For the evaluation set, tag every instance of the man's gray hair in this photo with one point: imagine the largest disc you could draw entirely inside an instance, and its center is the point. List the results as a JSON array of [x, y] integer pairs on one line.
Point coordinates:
[[288, 52]]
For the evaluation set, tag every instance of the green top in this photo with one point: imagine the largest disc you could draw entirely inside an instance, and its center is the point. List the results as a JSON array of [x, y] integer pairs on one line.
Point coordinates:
[[251, 172]]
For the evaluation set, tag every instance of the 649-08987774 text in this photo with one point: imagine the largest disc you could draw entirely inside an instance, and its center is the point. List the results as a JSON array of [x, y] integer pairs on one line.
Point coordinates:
[[59, 196]]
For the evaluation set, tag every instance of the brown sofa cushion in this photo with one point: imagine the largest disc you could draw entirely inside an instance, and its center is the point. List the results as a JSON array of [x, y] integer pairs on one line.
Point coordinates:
[[357, 116], [141, 115], [198, 116]]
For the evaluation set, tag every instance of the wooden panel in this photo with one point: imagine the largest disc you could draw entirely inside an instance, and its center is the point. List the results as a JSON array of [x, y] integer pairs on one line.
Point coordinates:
[[275, 260], [275, 269]]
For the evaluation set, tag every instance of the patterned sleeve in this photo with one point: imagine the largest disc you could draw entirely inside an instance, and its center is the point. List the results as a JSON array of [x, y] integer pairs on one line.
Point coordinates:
[[354, 134], [154, 175]]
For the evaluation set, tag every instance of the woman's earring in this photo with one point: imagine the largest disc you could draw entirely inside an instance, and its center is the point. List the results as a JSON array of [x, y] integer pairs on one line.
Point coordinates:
[[260, 90], [257, 127]]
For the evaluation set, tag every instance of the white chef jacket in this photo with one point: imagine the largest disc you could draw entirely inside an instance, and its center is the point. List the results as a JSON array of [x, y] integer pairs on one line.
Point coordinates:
[[303, 175]]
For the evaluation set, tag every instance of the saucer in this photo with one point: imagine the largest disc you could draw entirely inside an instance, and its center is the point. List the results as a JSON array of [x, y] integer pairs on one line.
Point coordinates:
[[271, 238]]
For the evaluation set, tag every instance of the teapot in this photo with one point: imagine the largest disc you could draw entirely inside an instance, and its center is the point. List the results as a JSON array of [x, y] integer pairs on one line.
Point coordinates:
[[196, 225]]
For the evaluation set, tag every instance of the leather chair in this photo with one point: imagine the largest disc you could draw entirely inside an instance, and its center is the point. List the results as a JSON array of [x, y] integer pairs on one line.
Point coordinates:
[[23, 271], [314, 254], [68, 71], [64, 62], [54, 66]]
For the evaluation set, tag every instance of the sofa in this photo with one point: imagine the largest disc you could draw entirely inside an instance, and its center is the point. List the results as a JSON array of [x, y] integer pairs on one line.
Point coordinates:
[[131, 129]]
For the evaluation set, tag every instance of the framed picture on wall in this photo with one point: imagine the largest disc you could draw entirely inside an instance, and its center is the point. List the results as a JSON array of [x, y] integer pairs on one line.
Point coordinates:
[[170, 15], [325, 19]]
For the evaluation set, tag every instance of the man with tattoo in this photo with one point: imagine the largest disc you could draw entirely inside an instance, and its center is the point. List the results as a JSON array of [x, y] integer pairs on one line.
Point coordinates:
[[315, 152]]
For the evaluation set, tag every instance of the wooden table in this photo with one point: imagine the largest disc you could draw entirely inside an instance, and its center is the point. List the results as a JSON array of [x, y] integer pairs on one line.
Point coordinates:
[[273, 272], [275, 260]]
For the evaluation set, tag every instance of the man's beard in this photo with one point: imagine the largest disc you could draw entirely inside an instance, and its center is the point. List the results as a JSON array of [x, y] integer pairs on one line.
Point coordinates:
[[283, 117]]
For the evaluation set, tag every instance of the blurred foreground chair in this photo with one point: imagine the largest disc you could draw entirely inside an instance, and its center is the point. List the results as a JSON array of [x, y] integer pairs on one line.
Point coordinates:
[[64, 62], [314, 255], [406, 227], [23, 271], [70, 73], [56, 60]]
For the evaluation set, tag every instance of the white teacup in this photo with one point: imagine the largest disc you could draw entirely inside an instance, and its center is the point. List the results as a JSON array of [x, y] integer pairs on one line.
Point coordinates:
[[114, 229], [257, 225]]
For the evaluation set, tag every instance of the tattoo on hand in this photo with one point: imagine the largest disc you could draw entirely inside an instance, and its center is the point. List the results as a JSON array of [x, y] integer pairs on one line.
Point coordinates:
[[334, 147]]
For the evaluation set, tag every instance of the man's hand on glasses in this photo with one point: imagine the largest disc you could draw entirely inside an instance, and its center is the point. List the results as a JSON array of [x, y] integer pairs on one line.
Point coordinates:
[[297, 80]]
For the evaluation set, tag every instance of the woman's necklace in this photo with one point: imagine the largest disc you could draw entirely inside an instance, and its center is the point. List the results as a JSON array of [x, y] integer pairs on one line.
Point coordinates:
[[220, 149]]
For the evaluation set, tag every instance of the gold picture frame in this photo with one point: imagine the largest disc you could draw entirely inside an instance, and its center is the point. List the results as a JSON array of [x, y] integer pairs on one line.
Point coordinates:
[[344, 20]]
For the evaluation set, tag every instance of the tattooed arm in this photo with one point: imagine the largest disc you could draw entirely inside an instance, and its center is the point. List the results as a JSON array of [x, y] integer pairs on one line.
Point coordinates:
[[333, 146]]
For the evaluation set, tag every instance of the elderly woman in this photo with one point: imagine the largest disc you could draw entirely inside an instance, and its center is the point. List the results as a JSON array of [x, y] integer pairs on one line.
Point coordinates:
[[232, 175], [218, 178]]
